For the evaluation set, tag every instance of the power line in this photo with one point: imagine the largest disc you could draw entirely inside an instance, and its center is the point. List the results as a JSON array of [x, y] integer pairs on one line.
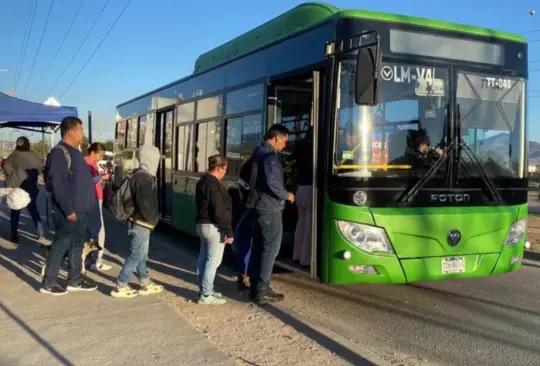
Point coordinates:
[[15, 79], [25, 44], [531, 31], [97, 48], [59, 47], [81, 46], [39, 47]]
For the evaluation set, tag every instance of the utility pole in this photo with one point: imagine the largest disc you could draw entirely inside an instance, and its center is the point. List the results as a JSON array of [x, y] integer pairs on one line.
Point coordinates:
[[89, 127]]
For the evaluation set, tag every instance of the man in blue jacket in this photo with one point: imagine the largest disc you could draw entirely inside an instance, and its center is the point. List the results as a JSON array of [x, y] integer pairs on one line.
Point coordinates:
[[71, 186], [268, 224]]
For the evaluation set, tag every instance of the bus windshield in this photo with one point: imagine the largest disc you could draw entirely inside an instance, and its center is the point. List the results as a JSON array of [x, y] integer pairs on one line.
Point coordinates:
[[492, 115], [403, 134]]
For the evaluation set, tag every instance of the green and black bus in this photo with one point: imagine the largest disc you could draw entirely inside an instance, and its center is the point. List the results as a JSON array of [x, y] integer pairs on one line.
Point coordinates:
[[371, 85]]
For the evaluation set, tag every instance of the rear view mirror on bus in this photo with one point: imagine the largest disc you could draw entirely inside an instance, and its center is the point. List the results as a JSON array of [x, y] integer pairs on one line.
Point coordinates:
[[367, 81]]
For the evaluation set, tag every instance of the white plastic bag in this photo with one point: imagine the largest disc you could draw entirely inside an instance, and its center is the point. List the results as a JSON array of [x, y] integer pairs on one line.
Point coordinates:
[[17, 199]]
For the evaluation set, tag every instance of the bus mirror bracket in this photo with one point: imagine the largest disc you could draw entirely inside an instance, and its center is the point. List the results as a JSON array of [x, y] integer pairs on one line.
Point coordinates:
[[366, 91]]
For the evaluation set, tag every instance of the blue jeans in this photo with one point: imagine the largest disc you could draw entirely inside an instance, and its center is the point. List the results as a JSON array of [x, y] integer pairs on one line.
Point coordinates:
[[139, 242], [243, 240], [34, 213], [94, 221], [68, 238], [267, 234], [210, 256]]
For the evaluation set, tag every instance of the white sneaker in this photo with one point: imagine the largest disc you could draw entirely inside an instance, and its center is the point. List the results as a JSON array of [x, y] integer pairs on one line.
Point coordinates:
[[102, 267]]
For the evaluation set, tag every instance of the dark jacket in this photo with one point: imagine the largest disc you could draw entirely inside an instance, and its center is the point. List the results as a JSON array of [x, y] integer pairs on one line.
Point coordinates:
[[22, 169], [72, 189], [145, 199], [214, 204], [303, 162], [269, 184]]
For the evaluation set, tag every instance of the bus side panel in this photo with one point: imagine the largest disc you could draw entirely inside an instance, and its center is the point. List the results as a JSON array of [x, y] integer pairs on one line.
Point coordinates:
[[184, 211]]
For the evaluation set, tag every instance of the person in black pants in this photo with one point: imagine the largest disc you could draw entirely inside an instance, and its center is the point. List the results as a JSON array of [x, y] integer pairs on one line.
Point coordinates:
[[22, 168], [268, 224], [70, 184]]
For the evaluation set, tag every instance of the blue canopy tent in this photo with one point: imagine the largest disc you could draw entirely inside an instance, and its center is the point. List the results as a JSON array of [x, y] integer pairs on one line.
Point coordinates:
[[29, 116]]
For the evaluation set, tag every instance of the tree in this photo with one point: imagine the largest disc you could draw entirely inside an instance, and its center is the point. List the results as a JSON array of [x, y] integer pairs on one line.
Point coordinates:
[[40, 147], [109, 145]]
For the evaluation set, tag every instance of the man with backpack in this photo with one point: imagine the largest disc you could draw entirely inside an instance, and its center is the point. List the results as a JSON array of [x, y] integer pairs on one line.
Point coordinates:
[[70, 185], [268, 225], [136, 201]]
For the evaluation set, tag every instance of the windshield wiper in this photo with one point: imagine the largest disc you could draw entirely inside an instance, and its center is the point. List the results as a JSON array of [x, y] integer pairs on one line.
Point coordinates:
[[408, 196], [413, 191], [463, 146], [488, 182]]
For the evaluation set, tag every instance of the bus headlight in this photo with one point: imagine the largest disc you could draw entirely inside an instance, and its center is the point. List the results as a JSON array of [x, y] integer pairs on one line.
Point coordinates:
[[517, 232], [368, 238]]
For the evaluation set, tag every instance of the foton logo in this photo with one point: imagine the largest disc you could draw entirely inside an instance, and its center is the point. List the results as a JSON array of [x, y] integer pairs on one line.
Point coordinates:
[[451, 198]]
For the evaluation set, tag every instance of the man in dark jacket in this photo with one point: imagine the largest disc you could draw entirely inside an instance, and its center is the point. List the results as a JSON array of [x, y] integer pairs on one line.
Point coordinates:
[[145, 217], [22, 169], [72, 189], [268, 224]]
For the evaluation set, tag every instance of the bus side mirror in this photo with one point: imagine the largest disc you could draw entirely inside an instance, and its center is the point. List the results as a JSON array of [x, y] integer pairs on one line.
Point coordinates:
[[366, 90]]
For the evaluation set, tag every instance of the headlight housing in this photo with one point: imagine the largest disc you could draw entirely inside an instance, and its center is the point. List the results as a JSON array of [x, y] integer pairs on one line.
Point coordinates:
[[517, 232], [371, 239]]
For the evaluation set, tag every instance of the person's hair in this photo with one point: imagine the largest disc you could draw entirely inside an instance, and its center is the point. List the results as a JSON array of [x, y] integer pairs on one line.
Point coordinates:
[[277, 130], [216, 161], [22, 144], [95, 147], [69, 123], [422, 139]]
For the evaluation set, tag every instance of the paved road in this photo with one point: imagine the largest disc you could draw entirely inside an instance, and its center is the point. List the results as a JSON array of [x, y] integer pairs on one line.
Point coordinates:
[[489, 321]]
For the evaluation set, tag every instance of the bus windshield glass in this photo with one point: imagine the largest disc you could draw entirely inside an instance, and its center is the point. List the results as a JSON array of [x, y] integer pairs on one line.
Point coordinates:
[[400, 137], [492, 115]]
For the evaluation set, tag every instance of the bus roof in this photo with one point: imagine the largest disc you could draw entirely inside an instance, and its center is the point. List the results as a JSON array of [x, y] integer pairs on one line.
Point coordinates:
[[307, 15]]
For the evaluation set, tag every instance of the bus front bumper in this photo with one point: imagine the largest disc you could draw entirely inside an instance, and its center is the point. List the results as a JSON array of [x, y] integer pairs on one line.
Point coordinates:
[[360, 267]]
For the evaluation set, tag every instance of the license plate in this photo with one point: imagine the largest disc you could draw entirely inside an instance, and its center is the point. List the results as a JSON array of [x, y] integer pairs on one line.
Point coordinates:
[[453, 265]]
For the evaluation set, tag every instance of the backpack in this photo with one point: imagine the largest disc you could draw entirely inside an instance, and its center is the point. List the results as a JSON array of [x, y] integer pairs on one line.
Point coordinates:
[[45, 171], [246, 182], [121, 202]]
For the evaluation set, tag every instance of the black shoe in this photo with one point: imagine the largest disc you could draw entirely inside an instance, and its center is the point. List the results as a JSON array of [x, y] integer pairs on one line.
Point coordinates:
[[85, 285], [266, 297], [55, 290], [14, 239], [276, 296]]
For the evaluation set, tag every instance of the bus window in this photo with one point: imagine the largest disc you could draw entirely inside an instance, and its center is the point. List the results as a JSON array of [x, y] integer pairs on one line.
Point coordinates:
[[208, 136], [120, 142], [185, 112], [142, 129], [243, 134], [131, 133], [209, 107], [245, 100], [184, 148]]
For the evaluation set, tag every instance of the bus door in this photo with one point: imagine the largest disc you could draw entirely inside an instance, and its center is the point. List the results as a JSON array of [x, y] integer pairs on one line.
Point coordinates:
[[163, 141]]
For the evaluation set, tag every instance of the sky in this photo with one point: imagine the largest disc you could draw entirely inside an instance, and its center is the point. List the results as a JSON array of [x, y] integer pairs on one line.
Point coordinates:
[[156, 42]]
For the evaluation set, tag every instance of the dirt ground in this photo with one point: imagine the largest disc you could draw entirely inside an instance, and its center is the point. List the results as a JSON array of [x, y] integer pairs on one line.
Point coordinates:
[[533, 234]]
